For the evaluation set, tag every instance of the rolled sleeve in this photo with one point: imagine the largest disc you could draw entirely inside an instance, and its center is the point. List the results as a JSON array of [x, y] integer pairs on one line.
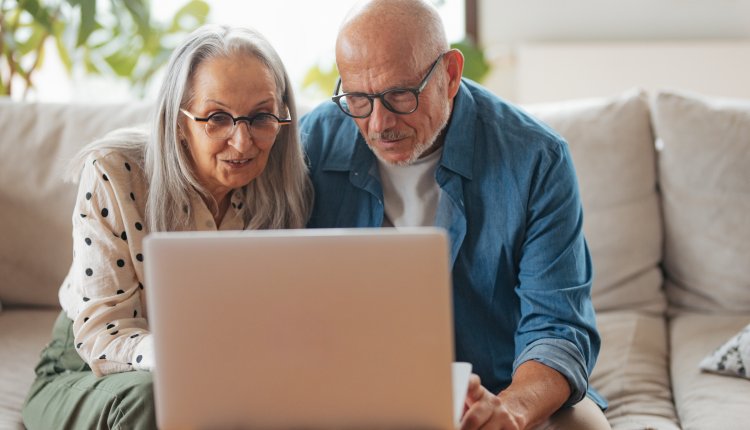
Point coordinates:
[[143, 355], [562, 356]]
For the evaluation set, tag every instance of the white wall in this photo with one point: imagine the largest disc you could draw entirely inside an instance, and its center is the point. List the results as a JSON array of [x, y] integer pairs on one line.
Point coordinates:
[[513, 21], [506, 26], [561, 71]]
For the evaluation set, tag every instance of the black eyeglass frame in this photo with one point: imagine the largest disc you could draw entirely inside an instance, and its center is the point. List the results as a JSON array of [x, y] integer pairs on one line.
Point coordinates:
[[381, 96], [235, 120]]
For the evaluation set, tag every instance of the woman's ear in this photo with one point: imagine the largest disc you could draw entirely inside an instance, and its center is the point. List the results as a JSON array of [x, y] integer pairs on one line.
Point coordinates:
[[181, 133]]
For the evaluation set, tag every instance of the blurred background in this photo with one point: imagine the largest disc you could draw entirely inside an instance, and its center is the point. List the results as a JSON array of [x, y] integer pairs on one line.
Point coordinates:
[[526, 51], [115, 50]]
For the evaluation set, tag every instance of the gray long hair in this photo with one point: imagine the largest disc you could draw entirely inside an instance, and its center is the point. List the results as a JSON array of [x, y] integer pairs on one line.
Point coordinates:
[[281, 197]]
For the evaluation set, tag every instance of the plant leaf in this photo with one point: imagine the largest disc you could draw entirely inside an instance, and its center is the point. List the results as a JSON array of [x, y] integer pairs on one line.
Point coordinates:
[[62, 51], [475, 65], [88, 21], [17, 67], [196, 9], [38, 12], [123, 62], [88, 62], [38, 33], [138, 10], [321, 81], [157, 60]]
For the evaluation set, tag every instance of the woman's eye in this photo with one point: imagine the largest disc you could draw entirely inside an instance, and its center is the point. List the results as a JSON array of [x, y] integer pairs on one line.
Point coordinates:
[[264, 119], [220, 119]]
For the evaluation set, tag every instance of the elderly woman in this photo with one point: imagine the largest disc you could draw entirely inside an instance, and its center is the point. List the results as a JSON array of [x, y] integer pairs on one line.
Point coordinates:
[[222, 154]]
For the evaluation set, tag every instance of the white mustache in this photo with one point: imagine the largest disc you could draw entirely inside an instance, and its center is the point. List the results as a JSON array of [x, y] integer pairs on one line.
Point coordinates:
[[388, 135]]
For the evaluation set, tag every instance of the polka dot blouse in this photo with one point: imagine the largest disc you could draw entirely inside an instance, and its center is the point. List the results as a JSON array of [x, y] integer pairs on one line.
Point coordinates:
[[104, 291]]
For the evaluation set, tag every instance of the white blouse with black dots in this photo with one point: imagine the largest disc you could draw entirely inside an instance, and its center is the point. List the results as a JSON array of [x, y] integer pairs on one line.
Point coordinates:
[[103, 292]]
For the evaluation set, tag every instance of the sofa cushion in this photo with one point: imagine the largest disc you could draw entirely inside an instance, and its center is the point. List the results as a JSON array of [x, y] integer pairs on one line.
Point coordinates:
[[614, 156], [23, 335], [632, 371], [704, 173], [37, 142], [706, 400]]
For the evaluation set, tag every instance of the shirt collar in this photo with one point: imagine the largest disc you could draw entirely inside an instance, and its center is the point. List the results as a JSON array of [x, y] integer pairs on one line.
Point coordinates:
[[203, 220], [458, 149]]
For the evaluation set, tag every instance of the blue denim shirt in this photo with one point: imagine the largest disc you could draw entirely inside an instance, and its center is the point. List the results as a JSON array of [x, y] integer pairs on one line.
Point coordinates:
[[510, 204]]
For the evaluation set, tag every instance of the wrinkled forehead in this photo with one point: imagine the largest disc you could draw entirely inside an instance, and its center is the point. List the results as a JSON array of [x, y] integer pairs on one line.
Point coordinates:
[[371, 64], [375, 77]]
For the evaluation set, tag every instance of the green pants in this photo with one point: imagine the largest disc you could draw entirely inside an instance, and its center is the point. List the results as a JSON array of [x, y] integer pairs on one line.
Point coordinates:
[[67, 395]]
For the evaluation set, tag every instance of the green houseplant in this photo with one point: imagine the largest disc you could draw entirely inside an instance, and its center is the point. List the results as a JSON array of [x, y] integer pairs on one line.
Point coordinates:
[[121, 40]]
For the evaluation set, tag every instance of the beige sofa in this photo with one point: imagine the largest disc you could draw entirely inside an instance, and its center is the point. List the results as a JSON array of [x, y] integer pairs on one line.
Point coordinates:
[[669, 232], [36, 140]]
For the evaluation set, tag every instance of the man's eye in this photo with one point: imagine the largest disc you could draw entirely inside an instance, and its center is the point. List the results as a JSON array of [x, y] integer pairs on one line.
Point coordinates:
[[400, 96], [357, 101]]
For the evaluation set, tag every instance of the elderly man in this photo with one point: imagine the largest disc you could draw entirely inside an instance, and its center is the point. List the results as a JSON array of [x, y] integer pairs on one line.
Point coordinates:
[[408, 142]]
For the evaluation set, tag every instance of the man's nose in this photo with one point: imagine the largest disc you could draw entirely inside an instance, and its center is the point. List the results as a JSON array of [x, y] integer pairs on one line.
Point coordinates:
[[381, 118]]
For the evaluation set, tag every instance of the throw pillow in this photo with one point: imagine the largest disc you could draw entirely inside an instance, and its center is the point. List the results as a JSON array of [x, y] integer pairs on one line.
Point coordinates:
[[732, 358], [705, 198]]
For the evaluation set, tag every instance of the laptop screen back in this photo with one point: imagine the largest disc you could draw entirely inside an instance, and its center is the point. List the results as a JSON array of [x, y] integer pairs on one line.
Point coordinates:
[[301, 328]]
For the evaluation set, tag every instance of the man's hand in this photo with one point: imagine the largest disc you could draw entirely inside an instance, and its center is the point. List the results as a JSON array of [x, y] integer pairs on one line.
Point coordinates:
[[537, 391], [487, 411]]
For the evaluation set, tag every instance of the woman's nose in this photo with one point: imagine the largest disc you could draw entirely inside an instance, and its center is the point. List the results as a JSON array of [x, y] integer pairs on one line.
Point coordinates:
[[241, 138]]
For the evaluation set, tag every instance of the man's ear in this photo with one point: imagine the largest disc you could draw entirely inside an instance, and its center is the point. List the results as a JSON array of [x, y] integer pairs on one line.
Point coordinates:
[[454, 61]]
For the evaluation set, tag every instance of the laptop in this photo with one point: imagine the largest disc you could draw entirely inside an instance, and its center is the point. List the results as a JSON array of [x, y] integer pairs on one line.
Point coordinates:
[[320, 328]]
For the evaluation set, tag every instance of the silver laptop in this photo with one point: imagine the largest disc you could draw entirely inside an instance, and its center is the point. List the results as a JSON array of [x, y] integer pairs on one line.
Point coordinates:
[[339, 328]]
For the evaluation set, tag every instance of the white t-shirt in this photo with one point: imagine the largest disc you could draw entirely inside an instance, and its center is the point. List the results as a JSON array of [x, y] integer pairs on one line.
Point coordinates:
[[410, 193]]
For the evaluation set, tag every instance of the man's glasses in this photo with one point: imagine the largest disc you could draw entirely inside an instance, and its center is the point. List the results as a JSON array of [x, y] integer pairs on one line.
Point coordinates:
[[220, 125], [397, 100]]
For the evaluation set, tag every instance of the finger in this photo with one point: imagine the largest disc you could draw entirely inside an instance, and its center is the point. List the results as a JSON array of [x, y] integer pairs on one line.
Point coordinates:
[[475, 390], [476, 417]]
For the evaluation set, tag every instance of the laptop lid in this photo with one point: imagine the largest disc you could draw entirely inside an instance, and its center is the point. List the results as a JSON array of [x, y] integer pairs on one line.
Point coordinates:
[[339, 328]]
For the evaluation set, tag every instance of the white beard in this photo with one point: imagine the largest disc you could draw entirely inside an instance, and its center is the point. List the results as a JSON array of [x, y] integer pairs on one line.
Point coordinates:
[[421, 147]]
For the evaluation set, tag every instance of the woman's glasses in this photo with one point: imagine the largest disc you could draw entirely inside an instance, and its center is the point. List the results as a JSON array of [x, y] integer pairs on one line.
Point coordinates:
[[220, 125]]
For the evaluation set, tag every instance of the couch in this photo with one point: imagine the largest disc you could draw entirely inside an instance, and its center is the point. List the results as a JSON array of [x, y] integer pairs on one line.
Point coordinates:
[[665, 183]]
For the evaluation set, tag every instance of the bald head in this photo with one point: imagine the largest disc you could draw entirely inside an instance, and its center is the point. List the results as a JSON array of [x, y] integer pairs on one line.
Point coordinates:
[[406, 30], [395, 52]]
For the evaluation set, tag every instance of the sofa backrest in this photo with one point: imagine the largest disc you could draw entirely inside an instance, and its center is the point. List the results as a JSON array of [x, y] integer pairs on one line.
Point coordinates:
[[612, 145], [702, 187], [672, 203], [704, 176], [36, 143]]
